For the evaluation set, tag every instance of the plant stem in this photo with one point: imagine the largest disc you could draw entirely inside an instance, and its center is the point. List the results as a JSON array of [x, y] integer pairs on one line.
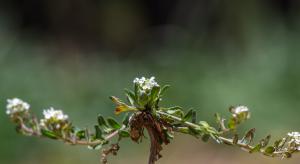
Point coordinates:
[[223, 139], [228, 141], [108, 137], [30, 131]]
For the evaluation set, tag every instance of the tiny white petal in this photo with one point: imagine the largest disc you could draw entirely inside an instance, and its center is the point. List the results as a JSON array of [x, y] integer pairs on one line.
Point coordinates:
[[145, 84], [54, 114], [16, 105]]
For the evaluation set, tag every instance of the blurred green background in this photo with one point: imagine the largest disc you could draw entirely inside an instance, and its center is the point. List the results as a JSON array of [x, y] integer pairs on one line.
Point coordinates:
[[72, 55]]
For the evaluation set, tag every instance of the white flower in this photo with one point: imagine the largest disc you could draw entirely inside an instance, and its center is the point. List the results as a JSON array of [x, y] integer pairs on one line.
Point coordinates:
[[295, 137], [140, 81], [146, 84], [240, 112], [240, 109], [16, 105], [52, 114]]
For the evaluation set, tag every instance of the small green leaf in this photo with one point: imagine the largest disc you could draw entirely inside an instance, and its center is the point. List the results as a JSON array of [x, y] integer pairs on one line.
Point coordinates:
[[218, 118], [264, 142], [232, 124], [205, 137], [116, 100], [247, 139], [80, 134], [184, 130], [163, 90], [168, 134], [136, 90], [113, 123], [177, 112], [194, 132], [125, 120], [235, 139], [269, 150], [101, 121], [143, 99], [282, 143], [98, 132], [215, 137], [188, 115], [103, 124], [154, 94], [256, 148], [49, 134], [194, 117], [98, 147], [124, 133], [204, 124], [130, 97], [95, 147]]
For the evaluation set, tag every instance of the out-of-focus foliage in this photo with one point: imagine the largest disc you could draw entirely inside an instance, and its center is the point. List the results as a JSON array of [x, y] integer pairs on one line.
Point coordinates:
[[217, 54]]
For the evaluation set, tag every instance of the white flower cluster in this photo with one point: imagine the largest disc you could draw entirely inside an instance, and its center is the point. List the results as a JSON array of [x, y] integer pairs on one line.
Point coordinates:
[[16, 105], [241, 112], [146, 84], [295, 137], [53, 116], [240, 109]]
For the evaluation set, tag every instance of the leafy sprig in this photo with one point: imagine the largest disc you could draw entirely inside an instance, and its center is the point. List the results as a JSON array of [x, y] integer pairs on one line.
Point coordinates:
[[143, 113]]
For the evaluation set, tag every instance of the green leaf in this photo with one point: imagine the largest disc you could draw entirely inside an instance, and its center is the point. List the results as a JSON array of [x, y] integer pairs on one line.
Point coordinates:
[[235, 139], [247, 139], [204, 124], [143, 99], [188, 115], [124, 134], [194, 117], [194, 132], [98, 132], [176, 112], [232, 124], [125, 120], [95, 147], [205, 137], [264, 142], [116, 100], [282, 143], [80, 134], [136, 90], [113, 123], [256, 148], [98, 147], [130, 97], [154, 94], [269, 150], [218, 118], [101, 121], [215, 137], [103, 124], [184, 130], [169, 135], [163, 90], [49, 134]]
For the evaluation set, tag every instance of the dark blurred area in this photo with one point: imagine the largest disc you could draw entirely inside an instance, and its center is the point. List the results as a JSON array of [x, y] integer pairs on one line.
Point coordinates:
[[123, 26], [73, 54]]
